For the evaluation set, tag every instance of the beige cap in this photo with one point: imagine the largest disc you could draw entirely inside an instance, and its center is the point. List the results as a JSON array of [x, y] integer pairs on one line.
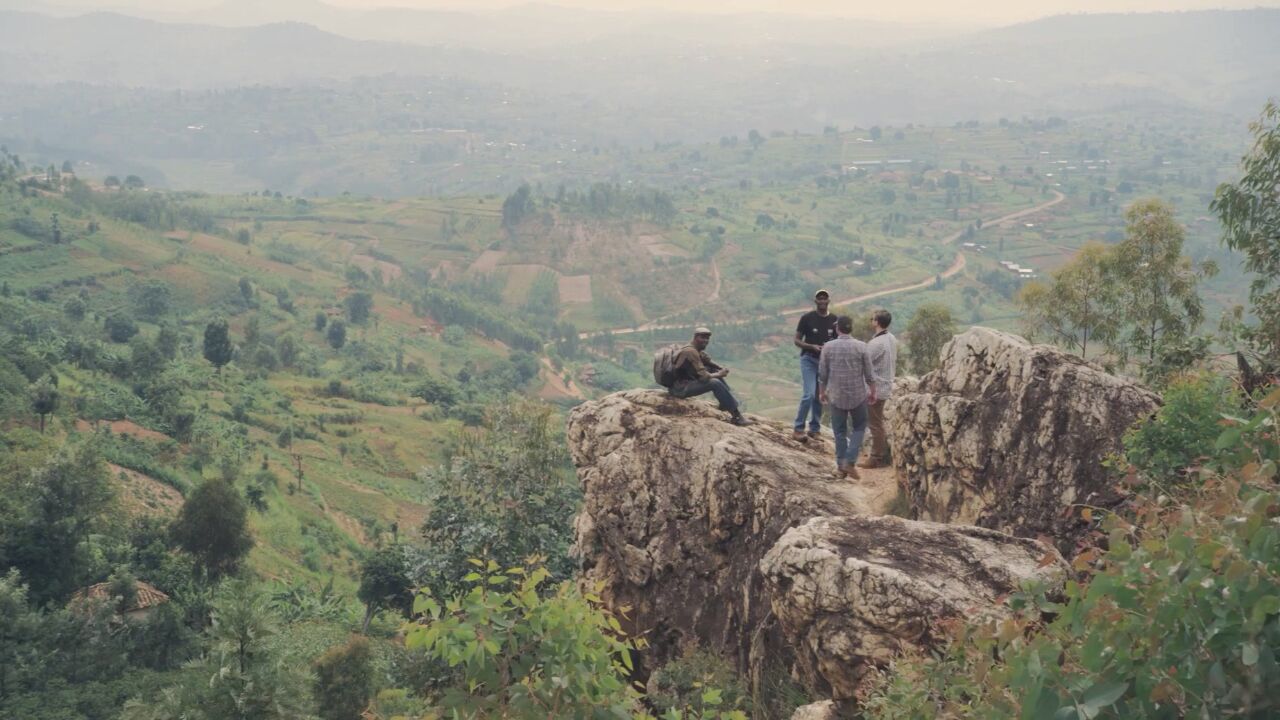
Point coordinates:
[[822, 291], [702, 330]]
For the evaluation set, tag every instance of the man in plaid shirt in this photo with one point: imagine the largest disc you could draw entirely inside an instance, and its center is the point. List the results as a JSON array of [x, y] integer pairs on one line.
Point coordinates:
[[847, 383]]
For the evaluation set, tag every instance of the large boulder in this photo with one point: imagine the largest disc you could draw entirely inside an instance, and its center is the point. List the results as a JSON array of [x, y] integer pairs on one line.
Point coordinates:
[[680, 508], [1012, 436], [852, 592]]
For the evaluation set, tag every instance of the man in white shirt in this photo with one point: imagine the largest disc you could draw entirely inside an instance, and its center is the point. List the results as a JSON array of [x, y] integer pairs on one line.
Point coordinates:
[[883, 349]]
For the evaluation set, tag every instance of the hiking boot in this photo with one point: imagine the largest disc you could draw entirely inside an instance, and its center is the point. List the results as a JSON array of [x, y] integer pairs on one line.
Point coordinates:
[[815, 434], [799, 436], [870, 464], [740, 421], [851, 472]]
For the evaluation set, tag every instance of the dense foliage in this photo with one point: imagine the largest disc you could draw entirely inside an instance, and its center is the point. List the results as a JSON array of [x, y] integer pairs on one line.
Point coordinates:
[[521, 652], [1137, 299], [1250, 215], [930, 328], [1172, 446], [1176, 614], [505, 495]]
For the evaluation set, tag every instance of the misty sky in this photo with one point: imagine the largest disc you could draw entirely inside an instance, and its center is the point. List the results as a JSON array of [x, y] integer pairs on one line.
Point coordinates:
[[987, 11]]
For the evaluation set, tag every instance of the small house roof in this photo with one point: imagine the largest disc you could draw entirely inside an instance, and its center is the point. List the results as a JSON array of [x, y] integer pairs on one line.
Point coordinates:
[[146, 595]]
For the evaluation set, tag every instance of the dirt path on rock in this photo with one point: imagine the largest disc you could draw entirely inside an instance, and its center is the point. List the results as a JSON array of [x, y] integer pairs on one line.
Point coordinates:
[[875, 489]]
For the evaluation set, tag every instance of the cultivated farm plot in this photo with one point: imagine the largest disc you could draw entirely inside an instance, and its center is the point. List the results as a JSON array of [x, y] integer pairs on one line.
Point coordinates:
[[389, 271], [488, 261], [141, 495], [575, 289], [658, 246], [519, 279]]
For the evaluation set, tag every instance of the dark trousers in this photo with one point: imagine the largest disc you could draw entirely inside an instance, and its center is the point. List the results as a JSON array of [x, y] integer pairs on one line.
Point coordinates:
[[879, 441], [715, 386]]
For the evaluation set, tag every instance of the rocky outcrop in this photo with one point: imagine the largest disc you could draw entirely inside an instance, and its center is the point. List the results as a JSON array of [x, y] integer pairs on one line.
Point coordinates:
[[680, 506], [852, 592], [741, 540], [1011, 436]]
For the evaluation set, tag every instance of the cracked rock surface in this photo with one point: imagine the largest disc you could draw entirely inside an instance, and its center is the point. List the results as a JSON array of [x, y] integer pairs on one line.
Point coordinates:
[[680, 506], [1011, 436], [852, 592]]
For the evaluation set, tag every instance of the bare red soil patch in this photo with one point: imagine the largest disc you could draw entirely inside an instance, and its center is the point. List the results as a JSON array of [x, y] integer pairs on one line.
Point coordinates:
[[124, 427]]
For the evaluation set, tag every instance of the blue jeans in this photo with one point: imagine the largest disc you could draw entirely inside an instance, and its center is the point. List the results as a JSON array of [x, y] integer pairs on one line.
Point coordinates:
[[849, 427], [809, 406]]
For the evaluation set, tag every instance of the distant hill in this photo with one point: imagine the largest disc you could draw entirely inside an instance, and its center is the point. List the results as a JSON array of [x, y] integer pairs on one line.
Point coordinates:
[[113, 49], [544, 25], [614, 83], [1219, 60]]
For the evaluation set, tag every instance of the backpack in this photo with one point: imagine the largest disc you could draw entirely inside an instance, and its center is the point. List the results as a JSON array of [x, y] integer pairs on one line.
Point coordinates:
[[664, 365]]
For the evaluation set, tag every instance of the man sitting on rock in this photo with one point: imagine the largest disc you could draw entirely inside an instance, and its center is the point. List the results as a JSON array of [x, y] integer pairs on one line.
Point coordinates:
[[846, 384], [696, 374]]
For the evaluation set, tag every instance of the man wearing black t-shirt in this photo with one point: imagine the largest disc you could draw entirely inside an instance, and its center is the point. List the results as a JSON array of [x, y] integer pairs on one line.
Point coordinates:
[[812, 332]]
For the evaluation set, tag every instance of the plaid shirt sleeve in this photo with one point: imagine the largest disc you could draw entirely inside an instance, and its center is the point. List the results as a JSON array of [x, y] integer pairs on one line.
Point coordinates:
[[824, 366]]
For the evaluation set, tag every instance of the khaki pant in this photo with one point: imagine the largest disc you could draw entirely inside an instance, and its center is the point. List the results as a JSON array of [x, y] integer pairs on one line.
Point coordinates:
[[879, 441]]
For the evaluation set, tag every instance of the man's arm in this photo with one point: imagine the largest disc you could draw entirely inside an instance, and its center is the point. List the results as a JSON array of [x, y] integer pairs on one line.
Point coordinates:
[[824, 372], [717, 371], [870, 373], [878, 352], [693, 359], [799, 341]]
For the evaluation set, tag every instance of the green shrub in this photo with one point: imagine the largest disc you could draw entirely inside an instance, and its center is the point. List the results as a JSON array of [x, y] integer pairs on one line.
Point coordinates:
[[398, 703], [683, 684], [1179, 615], [519, 653], [506, 494], [344, 680], [1183, 432], [522, 654]]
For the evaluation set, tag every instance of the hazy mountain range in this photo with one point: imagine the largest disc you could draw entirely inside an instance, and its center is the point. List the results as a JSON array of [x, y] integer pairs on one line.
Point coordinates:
[[101, 85], [535, 25], [1222, 60]]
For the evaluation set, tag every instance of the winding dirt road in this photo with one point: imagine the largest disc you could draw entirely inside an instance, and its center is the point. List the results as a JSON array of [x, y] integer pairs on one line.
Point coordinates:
[[956, 267]]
